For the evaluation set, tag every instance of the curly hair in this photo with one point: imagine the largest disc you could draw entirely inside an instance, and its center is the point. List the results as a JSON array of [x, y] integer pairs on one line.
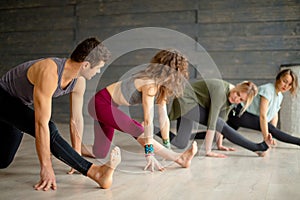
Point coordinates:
[[169, 69], [91, 50]]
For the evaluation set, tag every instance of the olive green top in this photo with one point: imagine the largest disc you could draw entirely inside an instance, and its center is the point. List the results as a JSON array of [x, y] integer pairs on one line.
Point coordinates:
[[211, 94]]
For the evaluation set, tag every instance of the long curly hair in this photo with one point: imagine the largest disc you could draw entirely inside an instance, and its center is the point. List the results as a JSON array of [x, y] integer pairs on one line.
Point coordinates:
[[169, 69]]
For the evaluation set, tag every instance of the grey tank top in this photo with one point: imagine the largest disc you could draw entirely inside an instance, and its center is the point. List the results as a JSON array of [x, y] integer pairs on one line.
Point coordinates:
[[15, 81], [130, 93]]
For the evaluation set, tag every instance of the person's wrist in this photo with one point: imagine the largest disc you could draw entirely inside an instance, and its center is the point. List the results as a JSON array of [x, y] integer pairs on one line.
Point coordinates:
[[149, 150]]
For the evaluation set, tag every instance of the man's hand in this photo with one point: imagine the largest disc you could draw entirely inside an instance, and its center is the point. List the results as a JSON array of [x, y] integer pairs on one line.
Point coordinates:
[[47, 180]]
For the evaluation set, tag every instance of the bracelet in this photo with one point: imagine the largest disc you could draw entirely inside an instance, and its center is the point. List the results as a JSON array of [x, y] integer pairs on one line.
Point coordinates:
[[149, 149], [166, 143]]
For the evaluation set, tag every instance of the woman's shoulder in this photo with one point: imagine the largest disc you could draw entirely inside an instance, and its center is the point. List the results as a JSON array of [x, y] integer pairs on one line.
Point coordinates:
[[267, 87]]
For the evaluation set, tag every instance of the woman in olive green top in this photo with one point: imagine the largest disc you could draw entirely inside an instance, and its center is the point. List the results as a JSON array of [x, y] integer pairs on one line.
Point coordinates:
[[208, 102]]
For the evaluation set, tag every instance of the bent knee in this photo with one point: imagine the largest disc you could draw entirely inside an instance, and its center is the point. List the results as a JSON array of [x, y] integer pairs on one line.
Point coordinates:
[[5, 164], [180, 145]]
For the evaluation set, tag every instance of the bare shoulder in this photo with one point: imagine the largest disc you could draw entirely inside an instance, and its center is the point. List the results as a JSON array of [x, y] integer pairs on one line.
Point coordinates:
[[43, 71], [150, 89], [43, 67]]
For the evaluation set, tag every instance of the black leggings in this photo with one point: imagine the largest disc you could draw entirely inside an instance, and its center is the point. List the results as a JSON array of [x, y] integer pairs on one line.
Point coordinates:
[[200, 115], [16, 118], [251, 121]]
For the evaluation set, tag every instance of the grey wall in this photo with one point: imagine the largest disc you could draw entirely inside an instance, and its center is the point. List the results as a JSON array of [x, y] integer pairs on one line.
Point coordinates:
[[247, 39]]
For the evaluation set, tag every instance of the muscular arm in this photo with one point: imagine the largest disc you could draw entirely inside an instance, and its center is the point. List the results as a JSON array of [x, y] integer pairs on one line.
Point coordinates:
[[44, 77], [76, 118]]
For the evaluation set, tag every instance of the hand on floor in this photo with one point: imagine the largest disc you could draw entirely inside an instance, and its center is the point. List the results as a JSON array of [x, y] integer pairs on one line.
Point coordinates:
[[223, 148], [216, 155]]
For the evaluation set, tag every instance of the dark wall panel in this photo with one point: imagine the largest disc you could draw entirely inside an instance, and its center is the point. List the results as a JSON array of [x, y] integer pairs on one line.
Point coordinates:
[[247, 40]]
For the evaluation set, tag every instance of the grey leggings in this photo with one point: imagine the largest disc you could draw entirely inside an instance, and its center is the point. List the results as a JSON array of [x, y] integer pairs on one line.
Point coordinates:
[[200, 115], [248, 120]]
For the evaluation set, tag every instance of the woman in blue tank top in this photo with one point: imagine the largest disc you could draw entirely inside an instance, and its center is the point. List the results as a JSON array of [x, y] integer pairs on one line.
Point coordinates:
[[262, 114]]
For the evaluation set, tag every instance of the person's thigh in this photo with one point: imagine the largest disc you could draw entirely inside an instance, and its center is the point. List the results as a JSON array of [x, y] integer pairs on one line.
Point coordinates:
[[16, 114], [10, 139]]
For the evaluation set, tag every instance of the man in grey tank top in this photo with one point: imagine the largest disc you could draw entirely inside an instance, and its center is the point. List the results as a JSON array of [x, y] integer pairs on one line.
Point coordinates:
[[37, 82]]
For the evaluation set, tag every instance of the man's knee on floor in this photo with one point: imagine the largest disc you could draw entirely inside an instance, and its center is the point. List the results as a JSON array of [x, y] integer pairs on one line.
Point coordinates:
[[4, 163]]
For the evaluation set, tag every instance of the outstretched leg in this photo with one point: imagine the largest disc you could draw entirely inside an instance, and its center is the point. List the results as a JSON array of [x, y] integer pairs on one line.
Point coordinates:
[[183, 159]]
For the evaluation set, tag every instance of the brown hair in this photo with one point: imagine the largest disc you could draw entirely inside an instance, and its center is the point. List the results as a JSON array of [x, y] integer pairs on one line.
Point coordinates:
[[169, 69], [284, 72], [91, 50], [251, 89]]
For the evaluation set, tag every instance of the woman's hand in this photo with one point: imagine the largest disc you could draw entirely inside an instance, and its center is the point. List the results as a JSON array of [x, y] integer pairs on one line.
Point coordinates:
[[152, 163], [223, 148], [216, 155]]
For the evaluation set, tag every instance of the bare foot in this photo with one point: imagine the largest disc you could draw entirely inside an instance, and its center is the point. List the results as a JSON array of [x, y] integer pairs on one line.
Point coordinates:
[[87, 151], [269, 141], [186, 157], [262, 153], [103, 175]]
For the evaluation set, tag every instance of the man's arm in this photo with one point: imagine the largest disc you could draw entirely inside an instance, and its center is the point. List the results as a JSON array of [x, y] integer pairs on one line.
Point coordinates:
[[76, 118], [45, 84]]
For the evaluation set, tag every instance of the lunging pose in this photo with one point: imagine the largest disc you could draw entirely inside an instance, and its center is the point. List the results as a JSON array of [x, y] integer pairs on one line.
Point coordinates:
[[35, 83]]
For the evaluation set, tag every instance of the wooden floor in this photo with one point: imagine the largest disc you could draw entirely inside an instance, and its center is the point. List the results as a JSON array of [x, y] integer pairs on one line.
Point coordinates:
[[242, 175]]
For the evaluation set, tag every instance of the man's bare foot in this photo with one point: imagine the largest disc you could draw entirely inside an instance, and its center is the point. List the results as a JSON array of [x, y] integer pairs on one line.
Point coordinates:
[[186, 157], [87, 151], [103, 175]]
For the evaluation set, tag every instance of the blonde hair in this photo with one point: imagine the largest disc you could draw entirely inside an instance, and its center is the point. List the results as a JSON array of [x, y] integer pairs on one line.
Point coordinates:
[[285, 72], [250, 89], [169, 69]]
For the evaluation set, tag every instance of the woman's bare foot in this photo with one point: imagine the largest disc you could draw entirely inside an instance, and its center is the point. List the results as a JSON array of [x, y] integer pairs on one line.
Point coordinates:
[[262, 153], [87, 151], [186, 157], [103, 175], [269, 140]]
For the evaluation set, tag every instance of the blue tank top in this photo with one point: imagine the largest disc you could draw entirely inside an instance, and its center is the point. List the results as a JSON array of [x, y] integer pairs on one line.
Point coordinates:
[[16, 83], [130, 93]]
